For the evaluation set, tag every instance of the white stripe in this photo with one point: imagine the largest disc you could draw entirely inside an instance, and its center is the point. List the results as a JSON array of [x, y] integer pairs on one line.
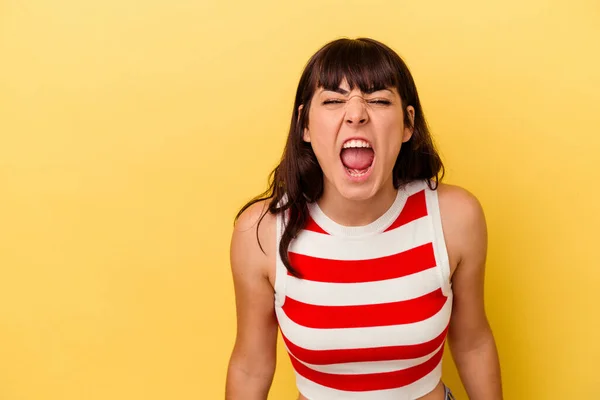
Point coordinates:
[[355, 338], [280, 269], [440, 250], [403, 238], [369, 367], [415, 390], [378, 292]]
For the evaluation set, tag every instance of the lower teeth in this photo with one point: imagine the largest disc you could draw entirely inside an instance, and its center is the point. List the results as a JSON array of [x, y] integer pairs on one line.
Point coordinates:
[[356, 173]]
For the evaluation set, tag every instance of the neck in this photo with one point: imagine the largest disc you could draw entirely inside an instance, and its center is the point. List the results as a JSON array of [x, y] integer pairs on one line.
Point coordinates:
[[347, 212]]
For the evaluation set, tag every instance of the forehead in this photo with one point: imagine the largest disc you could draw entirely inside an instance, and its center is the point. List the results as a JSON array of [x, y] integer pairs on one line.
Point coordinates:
[[344, 83], [345, 88]]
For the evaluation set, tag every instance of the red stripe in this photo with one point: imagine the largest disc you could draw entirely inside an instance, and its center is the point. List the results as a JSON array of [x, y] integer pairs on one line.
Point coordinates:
[[311, 225], [415, 208], [385, 353], [361, 316], [398, 265], [367, 382]]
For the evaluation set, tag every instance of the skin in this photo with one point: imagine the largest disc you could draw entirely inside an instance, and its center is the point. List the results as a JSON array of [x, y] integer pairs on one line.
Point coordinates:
[[334, 118], [253, 359]]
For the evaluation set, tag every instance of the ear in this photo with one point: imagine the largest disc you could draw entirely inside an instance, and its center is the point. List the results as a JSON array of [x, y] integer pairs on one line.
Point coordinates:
[[408, 131], [306, 133]]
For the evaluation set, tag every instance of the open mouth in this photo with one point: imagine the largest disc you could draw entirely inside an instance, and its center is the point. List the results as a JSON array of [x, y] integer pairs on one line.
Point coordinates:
[[357, 156]]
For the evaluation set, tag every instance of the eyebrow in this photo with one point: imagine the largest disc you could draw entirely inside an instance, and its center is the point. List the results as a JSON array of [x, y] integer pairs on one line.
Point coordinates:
[[345, 92], [337, 90]]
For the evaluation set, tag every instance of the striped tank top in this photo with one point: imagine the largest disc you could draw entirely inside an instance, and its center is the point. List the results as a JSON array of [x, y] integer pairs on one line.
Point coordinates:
[[368, 319]]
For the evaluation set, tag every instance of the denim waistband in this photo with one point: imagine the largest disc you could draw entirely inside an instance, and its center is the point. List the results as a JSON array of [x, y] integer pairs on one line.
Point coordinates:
[[449, 395]]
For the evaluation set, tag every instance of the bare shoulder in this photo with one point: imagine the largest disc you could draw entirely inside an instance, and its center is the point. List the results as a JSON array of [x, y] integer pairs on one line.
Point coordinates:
[[253, 241], [459, 201], [463, 222]]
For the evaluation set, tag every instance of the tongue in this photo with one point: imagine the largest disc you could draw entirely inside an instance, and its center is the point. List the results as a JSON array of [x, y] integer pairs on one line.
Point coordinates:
[[357, 158]]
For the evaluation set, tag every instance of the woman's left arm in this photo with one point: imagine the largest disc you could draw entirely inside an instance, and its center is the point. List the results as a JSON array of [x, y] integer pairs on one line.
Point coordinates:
[[470, 337]]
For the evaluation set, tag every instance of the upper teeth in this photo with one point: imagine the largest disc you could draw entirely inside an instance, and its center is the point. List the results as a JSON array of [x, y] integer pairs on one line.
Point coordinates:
[[356, 143]]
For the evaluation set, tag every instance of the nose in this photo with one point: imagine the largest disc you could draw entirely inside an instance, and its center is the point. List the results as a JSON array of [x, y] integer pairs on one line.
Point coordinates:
[[356, 111]]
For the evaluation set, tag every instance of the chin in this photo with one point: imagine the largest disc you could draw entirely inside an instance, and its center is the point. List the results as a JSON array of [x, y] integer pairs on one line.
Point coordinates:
[[360, 192]]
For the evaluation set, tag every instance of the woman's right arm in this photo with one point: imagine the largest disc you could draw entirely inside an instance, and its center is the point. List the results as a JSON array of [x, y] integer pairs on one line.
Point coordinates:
[[252, 362]]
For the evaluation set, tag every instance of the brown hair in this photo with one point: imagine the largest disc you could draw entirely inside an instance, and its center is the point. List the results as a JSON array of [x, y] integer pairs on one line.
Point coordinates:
[[298, 179]]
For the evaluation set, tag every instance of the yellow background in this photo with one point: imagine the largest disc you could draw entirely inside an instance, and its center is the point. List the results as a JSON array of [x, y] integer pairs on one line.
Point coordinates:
[[132, 131]]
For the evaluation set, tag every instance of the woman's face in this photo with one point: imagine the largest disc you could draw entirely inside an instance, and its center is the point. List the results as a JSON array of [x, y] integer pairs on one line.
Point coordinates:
[[356, 138]]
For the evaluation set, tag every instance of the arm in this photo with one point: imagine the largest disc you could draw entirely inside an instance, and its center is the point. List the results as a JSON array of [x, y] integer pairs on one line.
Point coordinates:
[[252, 361], [470, 337]]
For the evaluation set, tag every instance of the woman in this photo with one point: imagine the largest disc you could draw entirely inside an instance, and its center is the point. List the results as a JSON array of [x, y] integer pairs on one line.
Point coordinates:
[[357, 253]]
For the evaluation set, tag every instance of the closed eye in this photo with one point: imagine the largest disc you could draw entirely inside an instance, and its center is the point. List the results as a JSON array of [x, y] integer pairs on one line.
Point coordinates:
[[380, 102]]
